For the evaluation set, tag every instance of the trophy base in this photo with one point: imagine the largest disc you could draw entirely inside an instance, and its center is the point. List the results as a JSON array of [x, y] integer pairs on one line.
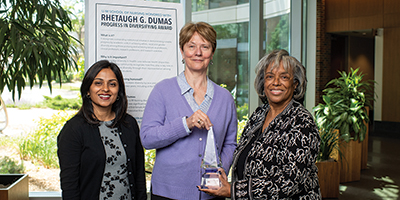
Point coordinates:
[[210, 180]]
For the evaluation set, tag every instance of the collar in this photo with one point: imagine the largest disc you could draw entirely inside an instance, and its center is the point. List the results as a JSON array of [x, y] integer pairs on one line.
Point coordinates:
[[185, 87]]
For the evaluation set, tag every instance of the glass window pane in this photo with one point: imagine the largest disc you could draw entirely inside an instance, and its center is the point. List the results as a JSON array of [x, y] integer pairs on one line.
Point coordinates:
[[199, 5], [230, 66], [277, 33], [231, 56], [170, 1], [221, 3]]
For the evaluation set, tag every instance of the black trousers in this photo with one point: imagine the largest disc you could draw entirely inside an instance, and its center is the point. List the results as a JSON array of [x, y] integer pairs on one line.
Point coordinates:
[[156, 197]]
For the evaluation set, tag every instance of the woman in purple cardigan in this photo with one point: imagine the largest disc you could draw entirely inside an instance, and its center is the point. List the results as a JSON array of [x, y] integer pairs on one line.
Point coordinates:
[[178, 115]]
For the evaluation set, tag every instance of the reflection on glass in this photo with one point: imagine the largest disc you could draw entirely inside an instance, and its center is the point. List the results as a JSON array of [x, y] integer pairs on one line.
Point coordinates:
[[199, 5], [231, 63], [277, 33], [230, 66], [170, 1], [221, 3]]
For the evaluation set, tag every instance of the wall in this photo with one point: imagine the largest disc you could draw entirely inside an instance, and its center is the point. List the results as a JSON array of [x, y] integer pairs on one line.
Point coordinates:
[[338, 55], [352, 15], [361, 55], [346, 15], [323, 54], [391, 75]]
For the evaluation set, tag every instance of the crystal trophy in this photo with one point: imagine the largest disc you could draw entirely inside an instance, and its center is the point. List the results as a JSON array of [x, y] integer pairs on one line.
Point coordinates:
[[210, 163]]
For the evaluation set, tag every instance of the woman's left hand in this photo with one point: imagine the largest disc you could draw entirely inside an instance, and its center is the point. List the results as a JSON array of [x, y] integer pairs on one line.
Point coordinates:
[[224, 190], [199, 119]]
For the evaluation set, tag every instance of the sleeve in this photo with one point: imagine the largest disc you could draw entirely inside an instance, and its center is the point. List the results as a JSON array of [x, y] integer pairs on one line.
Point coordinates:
[[241, 190], [291, 173], [230, 142], [155, 133], [69, 155], [140, 178]]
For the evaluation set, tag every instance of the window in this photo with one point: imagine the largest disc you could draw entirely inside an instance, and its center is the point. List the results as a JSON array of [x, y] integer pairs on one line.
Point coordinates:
[[231, 59], [231, 64]]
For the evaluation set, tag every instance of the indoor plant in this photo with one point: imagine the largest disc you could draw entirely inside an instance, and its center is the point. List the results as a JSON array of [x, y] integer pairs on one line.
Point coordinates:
[[344, 108], [329, 152], [328, 166], [347, 99]]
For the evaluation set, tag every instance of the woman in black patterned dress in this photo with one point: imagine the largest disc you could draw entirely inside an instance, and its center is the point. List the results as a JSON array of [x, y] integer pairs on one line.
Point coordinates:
[[276, 154], [99, 149]]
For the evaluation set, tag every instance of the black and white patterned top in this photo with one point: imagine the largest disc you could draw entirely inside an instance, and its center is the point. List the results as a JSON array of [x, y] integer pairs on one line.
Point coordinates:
[[281, 161], [115, 183]]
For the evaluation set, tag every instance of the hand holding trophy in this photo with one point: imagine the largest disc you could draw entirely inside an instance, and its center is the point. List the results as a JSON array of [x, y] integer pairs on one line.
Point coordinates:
[[210, 163]]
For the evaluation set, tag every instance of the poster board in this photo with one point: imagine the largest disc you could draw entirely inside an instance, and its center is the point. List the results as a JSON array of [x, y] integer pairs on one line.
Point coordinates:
[[141, 37]]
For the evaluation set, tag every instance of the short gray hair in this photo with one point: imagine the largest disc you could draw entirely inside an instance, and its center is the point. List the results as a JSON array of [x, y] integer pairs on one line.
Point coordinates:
[[290, 64]]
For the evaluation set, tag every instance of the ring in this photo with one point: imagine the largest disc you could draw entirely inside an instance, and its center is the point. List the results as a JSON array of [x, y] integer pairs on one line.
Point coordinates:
[[199, 121]]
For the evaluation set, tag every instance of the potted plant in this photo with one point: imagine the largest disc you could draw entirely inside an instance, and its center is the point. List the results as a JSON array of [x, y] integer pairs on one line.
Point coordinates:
[[329, 152], [13, 184], [328, 166], [346, 99]]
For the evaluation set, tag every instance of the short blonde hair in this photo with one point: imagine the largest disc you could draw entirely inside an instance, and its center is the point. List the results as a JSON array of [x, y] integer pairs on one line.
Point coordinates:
[[204, 29]]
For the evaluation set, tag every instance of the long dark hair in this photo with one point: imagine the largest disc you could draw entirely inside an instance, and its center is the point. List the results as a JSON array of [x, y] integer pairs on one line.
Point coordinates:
[[119, 106]]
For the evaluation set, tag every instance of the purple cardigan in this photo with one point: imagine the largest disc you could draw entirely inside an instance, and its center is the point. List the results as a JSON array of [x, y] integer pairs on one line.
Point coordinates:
[[177, 170]]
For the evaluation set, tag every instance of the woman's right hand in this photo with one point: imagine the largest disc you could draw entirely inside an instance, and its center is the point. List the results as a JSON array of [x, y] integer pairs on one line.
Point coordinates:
[[224, 190], [198, 119]]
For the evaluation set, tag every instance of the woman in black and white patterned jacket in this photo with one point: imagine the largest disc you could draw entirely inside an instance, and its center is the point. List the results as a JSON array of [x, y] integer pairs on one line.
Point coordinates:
[[275, 157]]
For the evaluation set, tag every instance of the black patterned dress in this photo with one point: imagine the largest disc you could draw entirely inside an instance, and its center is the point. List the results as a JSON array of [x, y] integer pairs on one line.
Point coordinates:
[[280, 162], [115, 183]]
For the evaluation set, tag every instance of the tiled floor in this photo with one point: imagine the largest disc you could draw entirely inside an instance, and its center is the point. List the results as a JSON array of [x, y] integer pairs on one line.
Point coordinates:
[[382, 178]]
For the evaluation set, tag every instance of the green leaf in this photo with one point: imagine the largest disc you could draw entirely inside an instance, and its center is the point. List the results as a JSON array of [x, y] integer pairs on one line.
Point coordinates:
[[348, 95], [3, 32], [22, 29], [36, 43]]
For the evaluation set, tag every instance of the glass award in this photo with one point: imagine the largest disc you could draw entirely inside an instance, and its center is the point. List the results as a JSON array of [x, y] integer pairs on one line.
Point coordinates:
[[210, 163]]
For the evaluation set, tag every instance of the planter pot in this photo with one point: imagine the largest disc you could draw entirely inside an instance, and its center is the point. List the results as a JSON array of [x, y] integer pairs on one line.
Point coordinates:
[[329, 179], [14, 187], [364, 153], [350, 163]]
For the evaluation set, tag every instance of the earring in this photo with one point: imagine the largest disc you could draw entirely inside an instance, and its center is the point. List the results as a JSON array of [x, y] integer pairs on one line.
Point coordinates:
[[88, 95], [117, 98], [211, 62], [183, 61]]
